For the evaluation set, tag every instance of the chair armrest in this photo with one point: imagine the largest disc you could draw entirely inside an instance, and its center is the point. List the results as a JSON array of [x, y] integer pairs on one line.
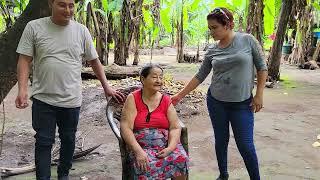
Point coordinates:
[[112, 122], [184, 136]]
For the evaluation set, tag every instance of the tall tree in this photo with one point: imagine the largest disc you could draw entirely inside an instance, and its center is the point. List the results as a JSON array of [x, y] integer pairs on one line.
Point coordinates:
[[137, 15], [9, 41], [303, 39], [123, 35], [156, 17], [180, 41], [275, 54], [101, 33], [110, 34], [255, 19]]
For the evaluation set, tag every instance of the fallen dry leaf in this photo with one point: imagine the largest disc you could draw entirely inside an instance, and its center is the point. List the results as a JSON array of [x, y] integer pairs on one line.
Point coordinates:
[[316, 144]]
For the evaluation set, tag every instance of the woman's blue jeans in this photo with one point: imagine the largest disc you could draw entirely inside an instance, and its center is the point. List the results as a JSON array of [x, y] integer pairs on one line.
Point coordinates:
[[240, 116], [45, 118]]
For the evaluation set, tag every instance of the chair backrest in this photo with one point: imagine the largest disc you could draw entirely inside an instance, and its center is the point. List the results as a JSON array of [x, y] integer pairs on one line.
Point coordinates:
[[113, 115], [114, 109], [118, 106]]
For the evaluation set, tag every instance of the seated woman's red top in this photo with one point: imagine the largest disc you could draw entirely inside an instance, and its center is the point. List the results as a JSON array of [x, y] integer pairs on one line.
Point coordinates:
[[157, 118]]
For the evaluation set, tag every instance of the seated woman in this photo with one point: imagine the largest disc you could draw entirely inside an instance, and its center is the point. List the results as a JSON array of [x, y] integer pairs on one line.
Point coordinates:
[[150, 126]]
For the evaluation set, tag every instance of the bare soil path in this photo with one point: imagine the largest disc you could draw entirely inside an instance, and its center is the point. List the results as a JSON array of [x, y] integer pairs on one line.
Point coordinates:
[[284, 132]]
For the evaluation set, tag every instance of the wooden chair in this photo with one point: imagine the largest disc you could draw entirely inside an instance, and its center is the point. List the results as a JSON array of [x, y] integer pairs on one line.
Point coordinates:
[[113, 112]]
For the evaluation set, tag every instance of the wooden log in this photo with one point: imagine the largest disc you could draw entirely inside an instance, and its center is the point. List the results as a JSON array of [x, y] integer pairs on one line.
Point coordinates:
[[190, 58], [316, 53], [113, 72], [312, 65]]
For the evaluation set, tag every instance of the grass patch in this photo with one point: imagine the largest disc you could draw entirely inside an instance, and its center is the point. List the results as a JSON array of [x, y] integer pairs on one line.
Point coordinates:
[[287, 82]]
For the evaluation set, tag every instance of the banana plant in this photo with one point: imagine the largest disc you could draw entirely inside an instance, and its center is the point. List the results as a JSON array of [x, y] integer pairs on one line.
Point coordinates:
[[195, 30], [316, 6], [271, 13], [150, 27]]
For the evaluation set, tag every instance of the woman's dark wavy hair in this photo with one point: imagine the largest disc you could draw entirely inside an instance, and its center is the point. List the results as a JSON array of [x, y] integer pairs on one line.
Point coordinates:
[[222, 15]]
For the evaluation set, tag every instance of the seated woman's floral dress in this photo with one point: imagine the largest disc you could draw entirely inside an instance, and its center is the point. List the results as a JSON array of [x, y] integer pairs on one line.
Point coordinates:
[[152, 134]]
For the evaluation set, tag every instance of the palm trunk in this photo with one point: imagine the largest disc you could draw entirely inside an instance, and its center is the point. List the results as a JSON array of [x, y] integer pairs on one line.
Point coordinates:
[[102, 36], [136, 31], [110, 35], [123, 38], [180, 37], [172, 32], [156, 17], [255, 19]]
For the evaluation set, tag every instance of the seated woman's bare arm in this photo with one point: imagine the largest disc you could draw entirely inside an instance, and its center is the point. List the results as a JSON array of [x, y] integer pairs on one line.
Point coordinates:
[[128, 115], [174, 132]]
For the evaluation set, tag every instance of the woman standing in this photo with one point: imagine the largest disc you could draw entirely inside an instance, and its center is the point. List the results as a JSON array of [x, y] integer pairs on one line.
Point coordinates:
[[229, 98]]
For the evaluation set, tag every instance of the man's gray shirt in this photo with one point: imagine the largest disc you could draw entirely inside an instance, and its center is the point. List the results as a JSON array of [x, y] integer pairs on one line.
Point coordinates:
[[58, 52], [233, 68]]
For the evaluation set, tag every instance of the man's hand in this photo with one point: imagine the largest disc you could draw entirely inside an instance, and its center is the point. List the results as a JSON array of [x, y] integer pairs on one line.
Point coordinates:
[[257, 103], [22, 100], [118, 96]]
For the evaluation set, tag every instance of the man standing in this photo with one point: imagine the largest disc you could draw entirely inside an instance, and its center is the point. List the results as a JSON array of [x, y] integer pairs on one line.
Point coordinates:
[[56, 45]]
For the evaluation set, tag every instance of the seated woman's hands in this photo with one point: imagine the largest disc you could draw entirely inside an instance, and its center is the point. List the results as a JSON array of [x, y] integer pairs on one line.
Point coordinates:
[[164, 152], [142, 160]]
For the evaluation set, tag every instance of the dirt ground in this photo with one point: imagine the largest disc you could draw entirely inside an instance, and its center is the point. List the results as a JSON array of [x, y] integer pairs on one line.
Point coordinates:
[[284, 132]]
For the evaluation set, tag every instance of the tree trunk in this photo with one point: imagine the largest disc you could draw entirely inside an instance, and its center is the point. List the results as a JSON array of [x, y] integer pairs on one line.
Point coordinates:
[[9, 41], [172, 32], [102, 36], [89, 20], [110, 35], [156, 18], [136, 31], [275, 54], [255, 19], [180, 36], [316, 53], [240, 29], [303, 40], [123, 38], [305, 30]]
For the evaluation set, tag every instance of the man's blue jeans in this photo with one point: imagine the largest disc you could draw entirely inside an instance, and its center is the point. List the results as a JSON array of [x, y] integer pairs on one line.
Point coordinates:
[[45, 117], [240, 116]]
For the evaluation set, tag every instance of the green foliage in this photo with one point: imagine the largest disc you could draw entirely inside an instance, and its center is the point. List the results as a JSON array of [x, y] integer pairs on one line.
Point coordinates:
[[194, 16], [166, 41], [115, 5], [166, 20], [2, 24], [267, 44], [316, 5], [270, 12]]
